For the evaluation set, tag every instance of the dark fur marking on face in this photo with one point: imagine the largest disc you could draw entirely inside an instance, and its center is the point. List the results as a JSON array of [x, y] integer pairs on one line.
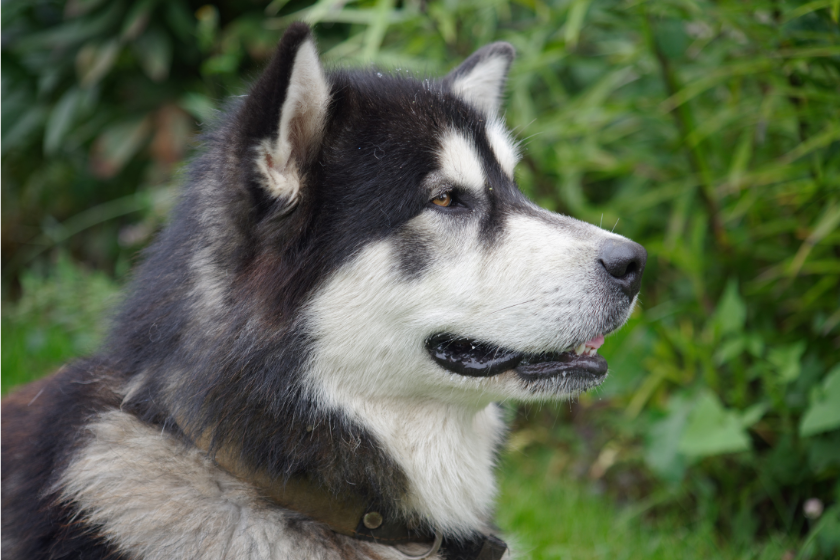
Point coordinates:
[[415, 253], [503, 196]]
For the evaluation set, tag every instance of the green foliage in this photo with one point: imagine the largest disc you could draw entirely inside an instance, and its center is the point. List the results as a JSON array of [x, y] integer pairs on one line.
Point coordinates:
[[100, 102], [711, 429], [61, 315], [708, 131], [823, 414]]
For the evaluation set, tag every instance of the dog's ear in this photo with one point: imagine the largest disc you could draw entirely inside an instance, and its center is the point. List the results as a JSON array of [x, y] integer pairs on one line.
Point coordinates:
[[282, 120], [480, 80]]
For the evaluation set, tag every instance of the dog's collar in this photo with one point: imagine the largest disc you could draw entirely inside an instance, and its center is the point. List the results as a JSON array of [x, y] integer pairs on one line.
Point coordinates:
[[353, 516]]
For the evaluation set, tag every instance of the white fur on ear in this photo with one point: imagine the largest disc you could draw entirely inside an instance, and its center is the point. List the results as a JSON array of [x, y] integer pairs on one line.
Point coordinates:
[[301, 124], [480, 80]]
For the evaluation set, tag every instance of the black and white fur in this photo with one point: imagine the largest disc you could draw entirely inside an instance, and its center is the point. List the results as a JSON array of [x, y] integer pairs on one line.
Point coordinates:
[[284, 313]]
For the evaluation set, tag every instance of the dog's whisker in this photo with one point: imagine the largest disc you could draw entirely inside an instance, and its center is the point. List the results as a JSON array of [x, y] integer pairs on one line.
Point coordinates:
[[526, 302]]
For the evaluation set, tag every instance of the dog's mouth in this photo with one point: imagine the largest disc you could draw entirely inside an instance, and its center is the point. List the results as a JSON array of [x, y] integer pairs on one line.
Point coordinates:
[[477, 359]]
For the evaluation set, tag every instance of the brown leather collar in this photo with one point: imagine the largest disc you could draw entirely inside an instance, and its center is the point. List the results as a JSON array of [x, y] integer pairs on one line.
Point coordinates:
[[353, 516]]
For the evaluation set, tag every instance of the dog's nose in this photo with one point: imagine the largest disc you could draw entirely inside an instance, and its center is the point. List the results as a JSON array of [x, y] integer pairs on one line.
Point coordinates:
[[625, 261]]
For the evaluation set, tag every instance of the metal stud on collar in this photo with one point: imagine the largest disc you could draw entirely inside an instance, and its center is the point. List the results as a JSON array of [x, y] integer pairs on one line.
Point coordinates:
[[372, 520], [431, 552]]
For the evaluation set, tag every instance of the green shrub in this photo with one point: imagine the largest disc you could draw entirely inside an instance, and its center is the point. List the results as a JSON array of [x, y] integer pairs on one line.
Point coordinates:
[[61, 315], [708, 131]]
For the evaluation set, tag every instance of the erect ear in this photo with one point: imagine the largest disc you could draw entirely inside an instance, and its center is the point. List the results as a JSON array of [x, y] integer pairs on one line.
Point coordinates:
[[480, 80], [283, 118]]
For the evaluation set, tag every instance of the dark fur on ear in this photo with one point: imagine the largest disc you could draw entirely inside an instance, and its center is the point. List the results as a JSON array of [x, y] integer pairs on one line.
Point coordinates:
[[259, 116], [480, 80], [280, 122]]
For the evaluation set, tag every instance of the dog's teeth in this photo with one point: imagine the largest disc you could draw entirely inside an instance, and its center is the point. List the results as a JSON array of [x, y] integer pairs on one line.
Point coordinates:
[[579, 349]]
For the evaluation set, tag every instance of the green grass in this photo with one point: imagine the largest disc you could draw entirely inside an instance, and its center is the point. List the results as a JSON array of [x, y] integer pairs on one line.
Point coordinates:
[[550, 516]]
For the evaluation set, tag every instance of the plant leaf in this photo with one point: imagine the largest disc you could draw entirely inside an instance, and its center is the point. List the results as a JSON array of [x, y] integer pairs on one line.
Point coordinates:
[[787, 360], [154, 50], [824, 413], [712, 429], [118, 144], [61, 119], [662, 453], [753, 414], [731, 312], [95, 61], [137, 19], [574, 23]]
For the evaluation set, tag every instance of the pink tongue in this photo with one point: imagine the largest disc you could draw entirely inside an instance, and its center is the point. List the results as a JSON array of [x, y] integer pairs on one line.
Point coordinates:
[[596, 342]]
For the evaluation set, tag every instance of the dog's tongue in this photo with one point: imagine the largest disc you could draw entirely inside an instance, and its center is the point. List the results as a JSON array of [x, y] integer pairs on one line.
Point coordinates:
[[596, 342]]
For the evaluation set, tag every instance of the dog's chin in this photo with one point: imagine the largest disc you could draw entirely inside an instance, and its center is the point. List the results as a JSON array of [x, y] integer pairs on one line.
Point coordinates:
[[566, 372]]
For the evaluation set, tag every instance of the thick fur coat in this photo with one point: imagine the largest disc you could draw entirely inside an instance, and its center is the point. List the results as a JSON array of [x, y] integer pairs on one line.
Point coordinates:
[[350, 282]]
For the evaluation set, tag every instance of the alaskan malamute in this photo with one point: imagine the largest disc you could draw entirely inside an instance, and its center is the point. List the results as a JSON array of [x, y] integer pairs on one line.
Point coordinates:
[[310, 357]]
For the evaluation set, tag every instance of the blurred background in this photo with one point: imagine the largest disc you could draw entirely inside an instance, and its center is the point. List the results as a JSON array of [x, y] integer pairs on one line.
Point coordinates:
[[707, 131]]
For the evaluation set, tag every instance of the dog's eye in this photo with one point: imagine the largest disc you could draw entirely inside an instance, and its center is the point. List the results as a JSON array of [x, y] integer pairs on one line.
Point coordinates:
[[443, 199]]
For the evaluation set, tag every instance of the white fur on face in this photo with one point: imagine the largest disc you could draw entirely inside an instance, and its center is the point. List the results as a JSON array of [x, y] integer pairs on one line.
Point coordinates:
[[535, 290], [155, 499], [301, 124], [460, 163], [504, 148], [538, 289]]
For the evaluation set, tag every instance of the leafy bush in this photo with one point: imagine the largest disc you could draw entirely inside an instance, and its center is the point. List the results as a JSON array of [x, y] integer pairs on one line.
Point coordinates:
[[709, 132], [61, 315], [100, 102]]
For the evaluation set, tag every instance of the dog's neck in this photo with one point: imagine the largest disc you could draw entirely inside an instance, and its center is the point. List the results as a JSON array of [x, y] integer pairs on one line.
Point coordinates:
[[434, 461], [447, 452]]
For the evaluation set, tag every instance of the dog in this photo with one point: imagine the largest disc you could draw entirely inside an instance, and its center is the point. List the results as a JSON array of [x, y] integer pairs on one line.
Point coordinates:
[[310, 357]]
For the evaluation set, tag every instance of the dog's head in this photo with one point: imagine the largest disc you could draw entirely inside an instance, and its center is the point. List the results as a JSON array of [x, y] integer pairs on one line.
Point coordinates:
[[377, 216]]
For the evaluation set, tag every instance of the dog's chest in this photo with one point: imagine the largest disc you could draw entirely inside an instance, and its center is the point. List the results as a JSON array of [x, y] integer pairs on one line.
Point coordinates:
[[153, 498]]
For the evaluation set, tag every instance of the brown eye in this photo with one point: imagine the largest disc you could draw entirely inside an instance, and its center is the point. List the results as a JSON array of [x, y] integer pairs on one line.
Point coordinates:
[[443, 199]]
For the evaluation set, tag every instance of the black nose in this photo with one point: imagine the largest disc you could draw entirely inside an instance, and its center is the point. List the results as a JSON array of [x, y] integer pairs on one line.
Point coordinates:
[[625, 261]]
